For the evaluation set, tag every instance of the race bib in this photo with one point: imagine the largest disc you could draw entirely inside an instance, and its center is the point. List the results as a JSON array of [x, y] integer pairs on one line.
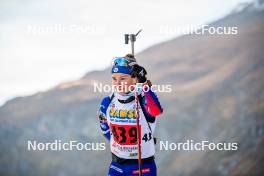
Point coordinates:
[[124, 134]]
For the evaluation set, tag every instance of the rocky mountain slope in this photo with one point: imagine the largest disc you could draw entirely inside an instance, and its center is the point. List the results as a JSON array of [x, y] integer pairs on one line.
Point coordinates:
[[217, 95]]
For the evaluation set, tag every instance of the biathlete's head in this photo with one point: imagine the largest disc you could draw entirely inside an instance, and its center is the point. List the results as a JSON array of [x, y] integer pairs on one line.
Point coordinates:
[[121, 73]]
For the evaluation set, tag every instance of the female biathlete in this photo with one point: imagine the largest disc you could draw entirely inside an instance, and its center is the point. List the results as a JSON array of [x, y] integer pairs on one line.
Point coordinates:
[[117, 115]]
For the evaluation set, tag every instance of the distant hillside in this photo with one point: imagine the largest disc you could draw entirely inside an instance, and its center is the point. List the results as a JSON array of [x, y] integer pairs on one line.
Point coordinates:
[[217, 95]]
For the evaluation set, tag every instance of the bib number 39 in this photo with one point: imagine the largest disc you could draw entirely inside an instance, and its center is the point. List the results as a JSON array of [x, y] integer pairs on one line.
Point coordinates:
[[127, 134], [124, 134]]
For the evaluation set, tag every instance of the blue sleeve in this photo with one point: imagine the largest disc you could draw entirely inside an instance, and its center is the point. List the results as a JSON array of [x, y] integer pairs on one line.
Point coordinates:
[[103, 118]]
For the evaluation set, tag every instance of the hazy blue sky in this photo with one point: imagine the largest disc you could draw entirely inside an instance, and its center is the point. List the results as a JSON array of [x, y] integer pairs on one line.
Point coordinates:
[[44, 43]]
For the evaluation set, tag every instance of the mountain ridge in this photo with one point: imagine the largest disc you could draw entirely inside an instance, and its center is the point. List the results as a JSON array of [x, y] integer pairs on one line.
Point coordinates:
[[217, 96]]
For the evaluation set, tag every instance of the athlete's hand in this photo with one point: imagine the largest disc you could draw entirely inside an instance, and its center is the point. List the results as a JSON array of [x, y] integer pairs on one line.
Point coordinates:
[[140, 73]]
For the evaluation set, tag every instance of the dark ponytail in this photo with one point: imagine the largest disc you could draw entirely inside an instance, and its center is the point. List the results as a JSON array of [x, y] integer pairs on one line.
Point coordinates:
[[131, 57]]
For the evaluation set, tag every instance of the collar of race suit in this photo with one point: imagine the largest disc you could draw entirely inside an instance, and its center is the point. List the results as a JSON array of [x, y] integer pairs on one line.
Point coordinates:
[[127, 98]]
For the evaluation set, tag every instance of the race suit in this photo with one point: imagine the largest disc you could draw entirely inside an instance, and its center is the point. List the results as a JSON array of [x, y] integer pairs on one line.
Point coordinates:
[[118, 123]]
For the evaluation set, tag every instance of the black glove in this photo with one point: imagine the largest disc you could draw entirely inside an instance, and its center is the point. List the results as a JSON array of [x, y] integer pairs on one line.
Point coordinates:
[[139, 72]]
